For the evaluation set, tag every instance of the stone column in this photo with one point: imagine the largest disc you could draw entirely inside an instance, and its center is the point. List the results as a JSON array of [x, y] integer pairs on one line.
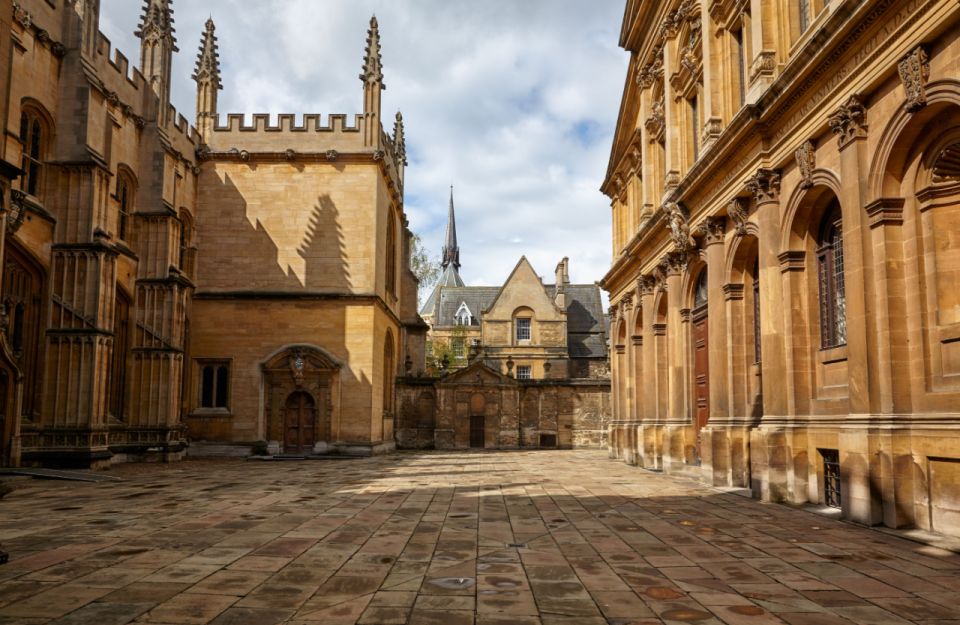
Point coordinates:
[[713, 78], [677, 415], [714, 450], [763, 42], [673, 118], [773, 465], [648, 407], [861, 500]]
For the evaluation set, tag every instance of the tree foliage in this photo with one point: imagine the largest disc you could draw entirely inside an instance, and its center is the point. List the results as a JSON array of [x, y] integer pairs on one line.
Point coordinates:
[[426, 269]]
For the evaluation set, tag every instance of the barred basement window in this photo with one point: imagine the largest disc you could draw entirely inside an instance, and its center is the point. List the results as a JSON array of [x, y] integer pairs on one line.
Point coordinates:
[[831, 477], [833, 301], [524, 372], [214, 384]]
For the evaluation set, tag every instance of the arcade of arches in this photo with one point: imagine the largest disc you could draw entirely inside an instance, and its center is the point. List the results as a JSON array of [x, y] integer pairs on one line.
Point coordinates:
[[786, 306]]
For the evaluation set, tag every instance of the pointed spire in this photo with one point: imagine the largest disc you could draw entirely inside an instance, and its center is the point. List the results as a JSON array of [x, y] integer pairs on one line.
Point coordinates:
[[372, 64], [208, 60], [451, 251], [157, 21], [399, 141]]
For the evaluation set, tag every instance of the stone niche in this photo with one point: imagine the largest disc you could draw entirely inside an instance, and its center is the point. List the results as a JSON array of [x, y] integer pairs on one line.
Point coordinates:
[[480, 407]]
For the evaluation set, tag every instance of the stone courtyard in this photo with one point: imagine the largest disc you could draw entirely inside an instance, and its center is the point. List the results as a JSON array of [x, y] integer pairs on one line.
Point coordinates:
[[519, 538]]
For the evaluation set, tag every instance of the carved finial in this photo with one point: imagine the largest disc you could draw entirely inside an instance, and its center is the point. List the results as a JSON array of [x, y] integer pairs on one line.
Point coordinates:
[[208, 60], [157, 22], [399, 141], [372, 63]]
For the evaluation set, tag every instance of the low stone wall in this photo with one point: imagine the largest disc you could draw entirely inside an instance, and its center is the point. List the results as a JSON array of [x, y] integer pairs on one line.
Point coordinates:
[[480, 407]]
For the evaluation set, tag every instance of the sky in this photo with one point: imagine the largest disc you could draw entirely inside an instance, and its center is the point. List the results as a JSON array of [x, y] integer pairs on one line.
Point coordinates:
[[513, 102]]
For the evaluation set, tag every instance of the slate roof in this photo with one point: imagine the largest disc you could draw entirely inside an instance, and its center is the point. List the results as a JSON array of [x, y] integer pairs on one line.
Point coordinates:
[[449, 278], [586, 326]]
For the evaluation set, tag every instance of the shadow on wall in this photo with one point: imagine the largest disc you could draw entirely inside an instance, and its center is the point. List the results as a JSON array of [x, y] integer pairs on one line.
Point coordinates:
[[238, 252]]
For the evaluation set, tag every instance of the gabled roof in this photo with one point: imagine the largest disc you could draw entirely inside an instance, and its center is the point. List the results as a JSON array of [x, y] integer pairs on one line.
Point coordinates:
[[449, 278]]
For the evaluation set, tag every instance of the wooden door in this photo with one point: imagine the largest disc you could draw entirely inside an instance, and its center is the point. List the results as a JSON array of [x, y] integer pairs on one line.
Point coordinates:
[[701, 371], [476, 431], [299, 423]]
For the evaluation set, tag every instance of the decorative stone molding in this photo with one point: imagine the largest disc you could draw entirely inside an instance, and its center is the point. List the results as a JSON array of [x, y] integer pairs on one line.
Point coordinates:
[[679, 226], [732, 292], [737, 212], [764, 64], [672, 180], [712, 130], [765, 185], [290, 154], [244, 156], [202, 152], [792, 260], [712, 229], [626, 302], [22, 16], [17, 212], [332, 155], [612, 312], [806, 156], [659, 329], [914, 70], [850, 121], [378, 155], [674, 263], [885, 211], [655, 122], [637, 340]]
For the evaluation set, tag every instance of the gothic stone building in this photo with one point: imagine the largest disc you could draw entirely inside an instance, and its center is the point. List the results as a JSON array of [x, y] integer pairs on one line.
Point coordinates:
[[786, 206], [230, 283], [529, 366]]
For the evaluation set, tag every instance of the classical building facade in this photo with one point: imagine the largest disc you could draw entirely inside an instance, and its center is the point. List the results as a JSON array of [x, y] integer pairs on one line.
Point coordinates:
[[166, 284], [785, 182]]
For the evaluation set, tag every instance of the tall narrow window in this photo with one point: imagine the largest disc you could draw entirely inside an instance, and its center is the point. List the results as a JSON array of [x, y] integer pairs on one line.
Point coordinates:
[[756, 311], [700, 294], [833, 301], [803, 10], [739, 52], [124, 193], [523, 329], [391, 253], [214, 385], [458, 348], [118, 357], [33, 139], [695, 126]]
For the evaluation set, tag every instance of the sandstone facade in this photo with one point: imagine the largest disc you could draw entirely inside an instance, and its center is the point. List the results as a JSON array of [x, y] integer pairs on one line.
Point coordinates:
[[784, 190], [229, 283]]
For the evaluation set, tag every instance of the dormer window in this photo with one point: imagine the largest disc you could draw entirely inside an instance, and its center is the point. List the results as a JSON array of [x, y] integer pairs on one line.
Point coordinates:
[[463, 317]]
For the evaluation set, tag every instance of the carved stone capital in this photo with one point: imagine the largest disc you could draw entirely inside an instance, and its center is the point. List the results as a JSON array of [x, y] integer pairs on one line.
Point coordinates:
[[806, 156], [626, 302], [914, 70], [647, 284], [850, 121], [765, 185], [712, 229], [737, 212], [674, 263]]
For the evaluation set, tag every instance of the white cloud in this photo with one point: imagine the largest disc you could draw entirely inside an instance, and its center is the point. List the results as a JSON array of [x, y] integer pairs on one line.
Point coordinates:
[[512, 101]]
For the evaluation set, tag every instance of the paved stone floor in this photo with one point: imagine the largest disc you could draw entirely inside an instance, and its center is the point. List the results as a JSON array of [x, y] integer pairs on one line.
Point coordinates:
[[550, 538]]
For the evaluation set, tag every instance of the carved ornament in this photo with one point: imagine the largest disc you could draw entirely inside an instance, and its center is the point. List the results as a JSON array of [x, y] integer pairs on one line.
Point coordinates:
[[646, 284], [914, 70], [22, 16], [850, 121], [806, 156], [712, 229], [764, 65], [765, 185], [290, 155], [332, 155], [737, 212], [677, 222], [626, 302]]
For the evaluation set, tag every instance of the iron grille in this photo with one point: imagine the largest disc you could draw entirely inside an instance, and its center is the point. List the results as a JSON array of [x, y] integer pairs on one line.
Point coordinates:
[[831, 477]]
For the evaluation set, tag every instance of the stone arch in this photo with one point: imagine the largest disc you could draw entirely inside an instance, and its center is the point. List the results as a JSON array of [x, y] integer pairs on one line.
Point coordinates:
[[803, 204], [889, 157], [300, 368]]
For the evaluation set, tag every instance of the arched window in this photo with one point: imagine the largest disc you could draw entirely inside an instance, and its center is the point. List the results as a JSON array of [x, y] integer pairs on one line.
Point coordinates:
[[125, 197], [700, 294], [833, 303], [34, 139], [391, 255]]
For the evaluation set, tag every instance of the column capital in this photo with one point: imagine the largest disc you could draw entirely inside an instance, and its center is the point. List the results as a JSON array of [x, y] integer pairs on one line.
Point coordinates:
[[850, 121], [647, 284], [765, 185], [712, 229]]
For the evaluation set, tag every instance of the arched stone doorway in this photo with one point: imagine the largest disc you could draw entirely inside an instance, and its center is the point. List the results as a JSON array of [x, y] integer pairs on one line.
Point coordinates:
[[299, 385]]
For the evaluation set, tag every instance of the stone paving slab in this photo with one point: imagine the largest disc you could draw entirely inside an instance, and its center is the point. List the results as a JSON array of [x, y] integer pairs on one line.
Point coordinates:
[[447, 538]]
